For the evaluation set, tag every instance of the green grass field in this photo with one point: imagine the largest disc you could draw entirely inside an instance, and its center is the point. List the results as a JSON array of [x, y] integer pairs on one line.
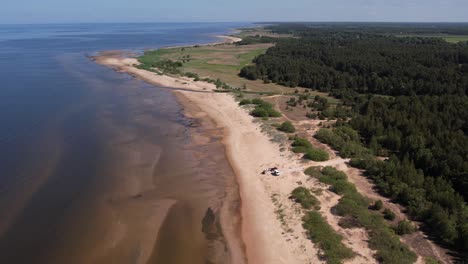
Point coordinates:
[[222, 61]]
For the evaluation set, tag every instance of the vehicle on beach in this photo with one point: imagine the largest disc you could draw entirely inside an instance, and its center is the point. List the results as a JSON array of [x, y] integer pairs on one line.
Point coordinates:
[[273, 171]]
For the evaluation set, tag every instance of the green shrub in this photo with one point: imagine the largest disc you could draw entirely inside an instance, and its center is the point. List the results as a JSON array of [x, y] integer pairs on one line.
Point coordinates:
[[273, 113], [313, 171], [300, 149], [303, 142], [259, 112], [405, 227], [342, 187], [245, 102], [389, 214], [320, 232], [353, 207], [332, 175], [389, 248], [191, 75], [287, 127], [267, 109], [378, 205], [316, 155], [302, 145], [258, 101], [303, 196], [345, 140]]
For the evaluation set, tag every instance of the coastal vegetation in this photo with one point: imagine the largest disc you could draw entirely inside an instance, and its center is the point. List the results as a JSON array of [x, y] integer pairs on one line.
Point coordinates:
[[303, 196], [319, 231], [302, 145], [406, 101], [263, 109], [287, 127], [323, 235], [354, 208]]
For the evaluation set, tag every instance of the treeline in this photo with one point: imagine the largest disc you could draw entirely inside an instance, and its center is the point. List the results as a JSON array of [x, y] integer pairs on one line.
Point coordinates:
[[249, 40], [366, 63], [409, 98], [304, 29]]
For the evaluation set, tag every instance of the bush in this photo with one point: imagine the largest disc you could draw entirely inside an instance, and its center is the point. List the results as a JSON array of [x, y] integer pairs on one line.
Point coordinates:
[[313, 171], [287, 127], [302, 145], [191, 75], [301, 142], [405, 227], [245, 102], [258, 101], [320, 232], [378, 205], [345, 140], [343, 187], [300, 149], [388, 214], [273, 113], [305, 198], [267, 109], [353, 207], [316, 155], [259, 112]]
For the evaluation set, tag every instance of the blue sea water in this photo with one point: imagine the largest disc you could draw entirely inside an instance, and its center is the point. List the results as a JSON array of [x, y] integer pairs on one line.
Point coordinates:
[[53, 137]]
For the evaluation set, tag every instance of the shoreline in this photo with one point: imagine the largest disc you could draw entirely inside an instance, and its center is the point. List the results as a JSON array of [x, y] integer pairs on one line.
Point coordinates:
[[248, 150]]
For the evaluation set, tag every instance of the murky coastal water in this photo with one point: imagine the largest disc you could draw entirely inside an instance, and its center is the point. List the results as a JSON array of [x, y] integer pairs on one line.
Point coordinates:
[[98, 167]]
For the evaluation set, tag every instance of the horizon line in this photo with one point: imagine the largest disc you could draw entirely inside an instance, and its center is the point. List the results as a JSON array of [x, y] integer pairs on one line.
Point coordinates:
[[252, 22]]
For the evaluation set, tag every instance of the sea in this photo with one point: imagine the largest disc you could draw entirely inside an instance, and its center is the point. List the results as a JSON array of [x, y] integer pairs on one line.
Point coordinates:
[[97, 166]]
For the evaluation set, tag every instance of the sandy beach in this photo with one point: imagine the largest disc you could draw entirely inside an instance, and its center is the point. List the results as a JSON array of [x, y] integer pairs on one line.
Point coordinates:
[[249, 152]]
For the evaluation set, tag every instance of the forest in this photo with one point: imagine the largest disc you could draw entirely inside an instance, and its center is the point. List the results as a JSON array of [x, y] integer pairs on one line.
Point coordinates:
[[409, 101]]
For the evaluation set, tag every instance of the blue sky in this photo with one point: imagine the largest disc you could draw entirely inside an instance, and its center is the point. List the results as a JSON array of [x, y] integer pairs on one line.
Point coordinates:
[[50, 11]]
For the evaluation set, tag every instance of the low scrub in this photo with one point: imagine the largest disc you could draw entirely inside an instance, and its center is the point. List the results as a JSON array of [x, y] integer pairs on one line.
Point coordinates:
[[404, 227], [378, 205], [287, 127], [389, 214], [302, 145], [345, 140], [303, 196], [316, 155], [264, 109], [330, 242], [245, 102], [354, 208]]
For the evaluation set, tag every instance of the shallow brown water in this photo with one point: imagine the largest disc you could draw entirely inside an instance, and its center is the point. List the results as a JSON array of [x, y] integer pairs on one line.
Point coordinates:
[[124, 177]]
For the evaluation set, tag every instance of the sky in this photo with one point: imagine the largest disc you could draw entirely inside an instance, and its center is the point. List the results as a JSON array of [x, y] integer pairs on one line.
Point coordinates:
[[76, 11]]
